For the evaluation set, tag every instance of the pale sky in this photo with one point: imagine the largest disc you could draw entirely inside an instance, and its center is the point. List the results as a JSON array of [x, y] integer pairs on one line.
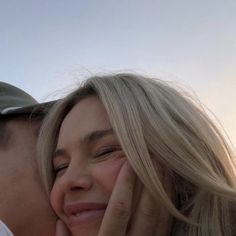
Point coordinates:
[[48, 45]]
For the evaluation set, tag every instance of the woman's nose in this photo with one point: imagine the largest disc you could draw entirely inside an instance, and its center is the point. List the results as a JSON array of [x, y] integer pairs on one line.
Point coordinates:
[[77, 179]]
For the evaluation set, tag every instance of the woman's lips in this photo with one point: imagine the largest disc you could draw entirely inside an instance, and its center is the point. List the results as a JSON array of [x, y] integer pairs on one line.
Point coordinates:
[[83, 213], [85, 217]]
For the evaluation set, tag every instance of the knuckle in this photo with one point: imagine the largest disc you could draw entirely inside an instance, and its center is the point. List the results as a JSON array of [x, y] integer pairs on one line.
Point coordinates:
[[121, 211], [149, 213]]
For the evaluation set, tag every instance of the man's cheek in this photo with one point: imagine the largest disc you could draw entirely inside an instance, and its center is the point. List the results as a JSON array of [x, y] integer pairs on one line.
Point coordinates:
[[55, 199]]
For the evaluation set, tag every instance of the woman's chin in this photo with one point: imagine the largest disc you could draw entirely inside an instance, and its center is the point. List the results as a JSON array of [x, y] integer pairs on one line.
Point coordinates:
[[87, 229]]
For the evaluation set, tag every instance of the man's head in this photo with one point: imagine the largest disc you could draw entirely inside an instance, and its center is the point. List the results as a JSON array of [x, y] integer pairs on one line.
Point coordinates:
[[24, 206]]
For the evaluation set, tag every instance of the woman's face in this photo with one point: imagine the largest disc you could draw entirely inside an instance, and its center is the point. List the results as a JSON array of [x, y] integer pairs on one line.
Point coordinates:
[[87, 160]]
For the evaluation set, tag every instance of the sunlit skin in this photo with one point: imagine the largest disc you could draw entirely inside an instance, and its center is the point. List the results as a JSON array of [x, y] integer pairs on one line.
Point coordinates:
[[87, 160]]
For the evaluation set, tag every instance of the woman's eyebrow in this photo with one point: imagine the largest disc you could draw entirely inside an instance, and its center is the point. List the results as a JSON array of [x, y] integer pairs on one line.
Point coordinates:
[[87, 139], [95, 135]]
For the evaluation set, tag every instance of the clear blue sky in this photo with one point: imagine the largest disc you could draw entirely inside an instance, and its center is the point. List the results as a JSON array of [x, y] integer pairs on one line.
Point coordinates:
[[46, 45]]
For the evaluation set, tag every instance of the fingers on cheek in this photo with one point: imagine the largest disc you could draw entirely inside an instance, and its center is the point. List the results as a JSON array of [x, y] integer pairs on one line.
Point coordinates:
[[118, 212], [124, 187]]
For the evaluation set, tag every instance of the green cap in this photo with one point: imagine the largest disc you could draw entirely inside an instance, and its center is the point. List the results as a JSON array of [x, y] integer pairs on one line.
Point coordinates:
[[14, 101]]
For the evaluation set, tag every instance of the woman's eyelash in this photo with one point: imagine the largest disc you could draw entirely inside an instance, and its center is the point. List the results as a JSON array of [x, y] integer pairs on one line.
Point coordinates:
[[101, 154], [107, 151], [56, 170]]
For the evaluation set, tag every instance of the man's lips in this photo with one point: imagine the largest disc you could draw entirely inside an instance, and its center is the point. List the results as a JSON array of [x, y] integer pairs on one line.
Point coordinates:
[[81, 213]]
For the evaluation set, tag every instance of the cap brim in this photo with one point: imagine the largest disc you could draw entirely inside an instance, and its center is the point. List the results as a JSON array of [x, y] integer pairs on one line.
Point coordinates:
[[36, 109]]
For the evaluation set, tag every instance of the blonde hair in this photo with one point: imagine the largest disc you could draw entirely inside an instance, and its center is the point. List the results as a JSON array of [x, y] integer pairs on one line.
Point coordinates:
[[153, 120]]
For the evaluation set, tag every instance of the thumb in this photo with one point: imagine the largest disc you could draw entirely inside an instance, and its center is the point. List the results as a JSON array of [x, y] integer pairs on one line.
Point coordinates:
[[61, 229]]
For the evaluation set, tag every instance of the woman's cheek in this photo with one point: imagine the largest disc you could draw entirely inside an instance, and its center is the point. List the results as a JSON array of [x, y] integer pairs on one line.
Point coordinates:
[[107, 172]]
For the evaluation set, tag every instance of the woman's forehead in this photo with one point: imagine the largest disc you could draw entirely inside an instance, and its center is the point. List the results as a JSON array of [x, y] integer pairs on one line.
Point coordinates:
[[87, 116]]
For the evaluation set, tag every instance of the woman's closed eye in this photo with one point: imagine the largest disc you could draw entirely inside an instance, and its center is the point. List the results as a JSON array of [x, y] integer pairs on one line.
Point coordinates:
[[59, 169], [108, 151]]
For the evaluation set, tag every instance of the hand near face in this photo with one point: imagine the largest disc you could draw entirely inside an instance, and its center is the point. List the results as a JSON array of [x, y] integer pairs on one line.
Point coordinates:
[[147, 219]]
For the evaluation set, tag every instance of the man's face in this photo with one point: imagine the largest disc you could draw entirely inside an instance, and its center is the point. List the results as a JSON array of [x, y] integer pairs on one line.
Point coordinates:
[[24, 206]]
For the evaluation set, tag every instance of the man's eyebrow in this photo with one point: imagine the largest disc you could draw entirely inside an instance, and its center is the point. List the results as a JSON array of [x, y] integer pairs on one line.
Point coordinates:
[[95, 135]]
